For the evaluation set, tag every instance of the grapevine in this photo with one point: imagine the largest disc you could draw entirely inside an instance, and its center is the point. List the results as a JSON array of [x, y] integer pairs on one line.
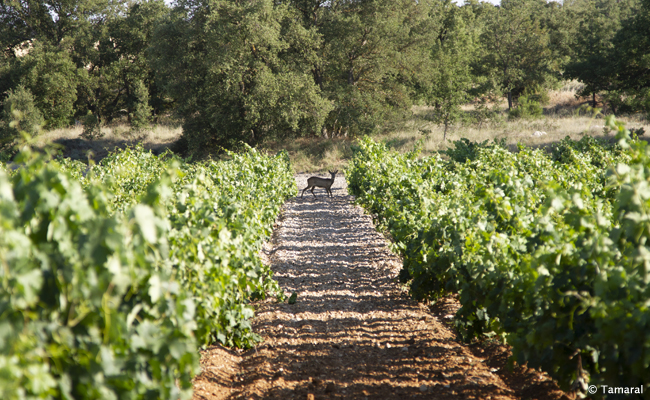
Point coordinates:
[[547, 251], [113, 276]]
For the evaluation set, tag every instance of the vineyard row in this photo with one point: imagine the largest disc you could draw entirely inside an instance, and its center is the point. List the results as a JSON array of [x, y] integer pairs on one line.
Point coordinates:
[[546, 250], [112, 277]]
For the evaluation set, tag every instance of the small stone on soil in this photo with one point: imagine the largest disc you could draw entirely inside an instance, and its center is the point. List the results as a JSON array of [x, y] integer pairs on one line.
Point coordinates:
[[330, 388]]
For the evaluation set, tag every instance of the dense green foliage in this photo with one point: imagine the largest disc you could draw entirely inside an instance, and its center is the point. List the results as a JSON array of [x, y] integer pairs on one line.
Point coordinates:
[[517, 48], [548, 251], [51, 76], [373, 56], [19, 108], [526, 108], [238, 71], [244, 72], [112, 277], [88, 307], [612, 37], [449, 81]]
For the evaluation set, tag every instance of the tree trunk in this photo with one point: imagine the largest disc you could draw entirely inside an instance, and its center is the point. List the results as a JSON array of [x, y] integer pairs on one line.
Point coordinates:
[[509, 99], [444, 135], [129, 110], [593, 96], [256, 136], [318, 77]]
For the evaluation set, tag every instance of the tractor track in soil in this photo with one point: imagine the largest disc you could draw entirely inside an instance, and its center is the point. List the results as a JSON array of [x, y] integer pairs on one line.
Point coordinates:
[[354, 333]]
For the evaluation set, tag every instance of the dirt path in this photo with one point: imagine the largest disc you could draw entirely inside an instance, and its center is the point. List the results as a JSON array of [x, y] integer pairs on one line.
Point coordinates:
[[353, 333]]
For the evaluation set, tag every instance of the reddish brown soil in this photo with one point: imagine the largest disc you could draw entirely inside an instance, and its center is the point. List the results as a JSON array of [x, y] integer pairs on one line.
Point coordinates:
[[354, 333]]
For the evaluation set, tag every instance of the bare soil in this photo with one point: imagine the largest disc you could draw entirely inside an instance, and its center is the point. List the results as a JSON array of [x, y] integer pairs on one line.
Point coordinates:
[[354, 333]]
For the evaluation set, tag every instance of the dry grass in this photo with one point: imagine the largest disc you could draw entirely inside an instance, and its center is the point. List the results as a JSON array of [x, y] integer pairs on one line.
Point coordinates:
[[157, 139], [518, 131], [565, 115], [319, 155], [314, 154]]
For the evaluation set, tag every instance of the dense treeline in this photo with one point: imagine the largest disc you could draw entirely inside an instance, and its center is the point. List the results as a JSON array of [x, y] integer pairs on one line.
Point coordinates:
[[236, 71]]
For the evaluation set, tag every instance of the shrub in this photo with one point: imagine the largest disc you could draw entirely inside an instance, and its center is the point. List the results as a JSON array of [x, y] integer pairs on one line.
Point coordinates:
[[526, 109], [141, 116], [538, 94], [52, 77], [20, 114], [464, 149], [92, 129]]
